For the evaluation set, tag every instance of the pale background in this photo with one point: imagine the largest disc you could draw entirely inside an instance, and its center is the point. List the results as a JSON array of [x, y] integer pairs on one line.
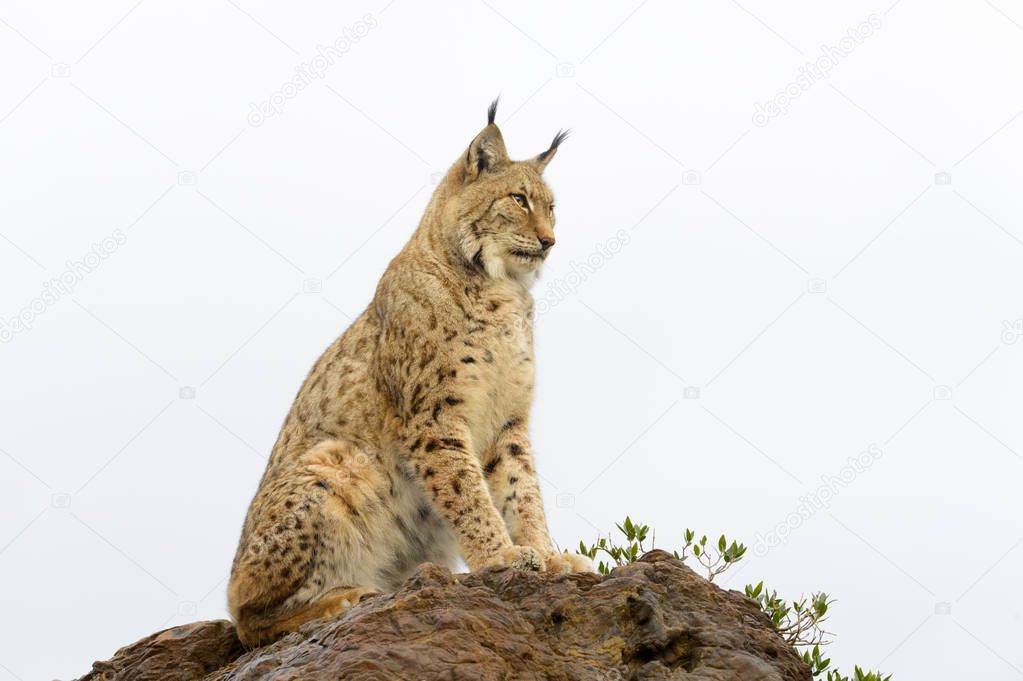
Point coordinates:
[[816, 283]]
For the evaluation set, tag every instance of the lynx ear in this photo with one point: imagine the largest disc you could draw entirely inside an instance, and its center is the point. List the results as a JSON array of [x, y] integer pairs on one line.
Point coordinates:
[[487, 150], [545, 157]]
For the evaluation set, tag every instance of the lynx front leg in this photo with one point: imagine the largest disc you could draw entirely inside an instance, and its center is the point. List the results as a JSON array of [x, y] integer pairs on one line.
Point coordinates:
[[512, 480], [453, 479], [511, 476]]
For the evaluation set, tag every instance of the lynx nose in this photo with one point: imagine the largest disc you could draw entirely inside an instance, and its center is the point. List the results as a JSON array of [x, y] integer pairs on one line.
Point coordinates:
[[546, 242]]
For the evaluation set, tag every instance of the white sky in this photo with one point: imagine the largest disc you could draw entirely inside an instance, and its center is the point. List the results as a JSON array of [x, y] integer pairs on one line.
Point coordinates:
[[804, 275]]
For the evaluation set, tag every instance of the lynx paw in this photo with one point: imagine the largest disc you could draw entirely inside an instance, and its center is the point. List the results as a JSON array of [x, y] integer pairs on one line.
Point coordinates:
[[343, 598], [518, 557], [564, 563]]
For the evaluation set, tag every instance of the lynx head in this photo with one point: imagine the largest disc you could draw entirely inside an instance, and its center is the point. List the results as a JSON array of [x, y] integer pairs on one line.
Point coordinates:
[[501, 211]]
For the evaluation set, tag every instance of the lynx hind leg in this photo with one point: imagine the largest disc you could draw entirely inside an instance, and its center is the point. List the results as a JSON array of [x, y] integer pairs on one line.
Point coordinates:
[[304, 548], [260, 629]]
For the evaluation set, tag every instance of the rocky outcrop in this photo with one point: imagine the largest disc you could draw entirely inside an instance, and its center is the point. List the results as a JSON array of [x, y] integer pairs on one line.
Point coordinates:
[[653, 619]]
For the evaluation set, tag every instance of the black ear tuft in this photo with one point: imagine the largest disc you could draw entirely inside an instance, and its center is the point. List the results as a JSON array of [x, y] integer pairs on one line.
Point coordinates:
[[492, 111], [558, 139]]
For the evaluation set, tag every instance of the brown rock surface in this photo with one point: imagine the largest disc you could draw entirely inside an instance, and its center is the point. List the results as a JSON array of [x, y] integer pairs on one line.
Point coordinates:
[[654, 619], [190, 651]]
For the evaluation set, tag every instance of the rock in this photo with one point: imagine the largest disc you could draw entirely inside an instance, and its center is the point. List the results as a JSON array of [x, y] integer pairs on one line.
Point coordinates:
[[187, 652], [653, 619]]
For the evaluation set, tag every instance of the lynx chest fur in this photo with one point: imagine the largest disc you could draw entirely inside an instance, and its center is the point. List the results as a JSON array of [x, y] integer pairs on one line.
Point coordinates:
[[504, 366]]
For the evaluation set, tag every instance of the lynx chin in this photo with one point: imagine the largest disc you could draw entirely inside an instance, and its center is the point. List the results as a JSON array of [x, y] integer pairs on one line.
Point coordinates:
[[409, 440]]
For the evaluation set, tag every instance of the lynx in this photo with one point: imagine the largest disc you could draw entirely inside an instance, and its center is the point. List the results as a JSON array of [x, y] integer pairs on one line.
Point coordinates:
[[408, 441]]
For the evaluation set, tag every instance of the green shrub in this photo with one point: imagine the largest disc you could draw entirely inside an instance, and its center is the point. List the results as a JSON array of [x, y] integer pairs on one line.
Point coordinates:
[[799, 622]]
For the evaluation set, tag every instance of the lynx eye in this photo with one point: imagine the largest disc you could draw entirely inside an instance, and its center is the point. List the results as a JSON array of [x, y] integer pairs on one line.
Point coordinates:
[[521, 200]]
